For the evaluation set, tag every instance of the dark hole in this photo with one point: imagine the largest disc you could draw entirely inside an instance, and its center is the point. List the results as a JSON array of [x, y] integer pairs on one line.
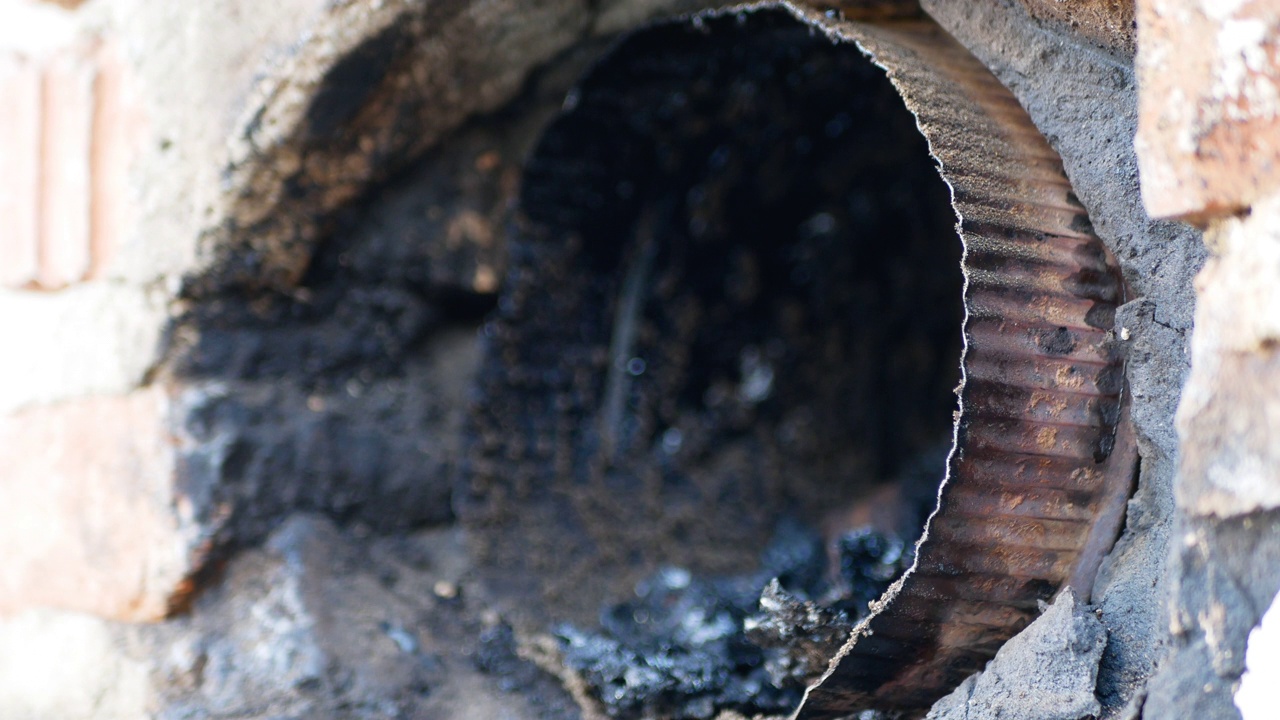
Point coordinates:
[[733, 315]]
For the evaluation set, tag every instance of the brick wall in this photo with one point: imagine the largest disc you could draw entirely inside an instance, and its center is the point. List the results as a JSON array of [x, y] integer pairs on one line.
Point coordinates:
[[65, 142]]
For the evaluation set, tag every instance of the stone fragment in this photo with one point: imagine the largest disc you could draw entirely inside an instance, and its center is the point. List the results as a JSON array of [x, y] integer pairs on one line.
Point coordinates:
[[1047, 672]]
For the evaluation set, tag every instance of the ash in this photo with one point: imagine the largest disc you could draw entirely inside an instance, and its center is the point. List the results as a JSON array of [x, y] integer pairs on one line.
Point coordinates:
[[690, 647]]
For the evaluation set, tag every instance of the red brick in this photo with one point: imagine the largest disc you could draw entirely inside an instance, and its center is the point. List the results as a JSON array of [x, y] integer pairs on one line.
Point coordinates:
[[91, 521], [66, 140], [1229, 417], [64, 178], [1209, 106], [20, 159], [118, 125]]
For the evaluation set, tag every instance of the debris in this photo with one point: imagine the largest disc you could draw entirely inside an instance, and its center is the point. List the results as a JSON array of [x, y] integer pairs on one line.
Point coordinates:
[[689, 647], [1048, 671], [808, 634]]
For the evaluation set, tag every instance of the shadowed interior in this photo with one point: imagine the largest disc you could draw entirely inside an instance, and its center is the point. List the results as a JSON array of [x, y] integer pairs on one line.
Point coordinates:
[[735, 296]]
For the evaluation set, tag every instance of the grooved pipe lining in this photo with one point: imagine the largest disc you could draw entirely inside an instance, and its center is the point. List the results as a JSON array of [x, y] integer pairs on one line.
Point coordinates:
[[1043, 429]]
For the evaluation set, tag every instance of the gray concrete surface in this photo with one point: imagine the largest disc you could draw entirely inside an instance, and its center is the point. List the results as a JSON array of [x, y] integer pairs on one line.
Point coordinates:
[[1047, 672]]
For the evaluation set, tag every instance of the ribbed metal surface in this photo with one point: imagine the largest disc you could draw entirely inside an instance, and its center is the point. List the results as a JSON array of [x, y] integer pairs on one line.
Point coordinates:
[[1044, 456]]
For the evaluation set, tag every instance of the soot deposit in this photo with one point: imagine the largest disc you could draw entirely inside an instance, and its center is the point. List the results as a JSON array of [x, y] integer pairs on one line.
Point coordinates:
[[734, 296]]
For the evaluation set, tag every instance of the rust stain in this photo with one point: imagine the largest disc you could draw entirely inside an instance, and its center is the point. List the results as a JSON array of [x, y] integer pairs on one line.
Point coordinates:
[[1067, 377], [1053, 405], [1046, 438]]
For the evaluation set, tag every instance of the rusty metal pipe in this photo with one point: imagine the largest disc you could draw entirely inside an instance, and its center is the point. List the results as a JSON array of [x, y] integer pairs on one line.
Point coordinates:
[[1043, 455], [1042, 405]]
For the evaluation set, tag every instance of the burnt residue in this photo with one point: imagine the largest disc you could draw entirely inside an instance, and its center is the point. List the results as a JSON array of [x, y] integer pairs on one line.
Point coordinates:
[[345, 394], [734, 295], [1056, 341], [347, 85], [420, 253], [688, 646], [323, 336], [496, 653], [679, 648], [804, 635]]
